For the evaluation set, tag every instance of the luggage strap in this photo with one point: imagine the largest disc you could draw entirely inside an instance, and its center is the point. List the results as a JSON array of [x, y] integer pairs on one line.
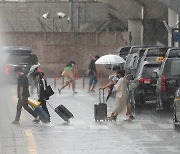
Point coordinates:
[[101, 91]]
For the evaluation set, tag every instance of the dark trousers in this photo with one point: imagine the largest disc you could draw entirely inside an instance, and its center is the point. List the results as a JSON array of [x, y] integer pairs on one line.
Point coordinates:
[[44, 106], [24, 103]]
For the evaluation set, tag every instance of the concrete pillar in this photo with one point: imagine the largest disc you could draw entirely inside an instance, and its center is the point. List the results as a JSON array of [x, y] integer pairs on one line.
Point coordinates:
[[173, 18], [136, 28]]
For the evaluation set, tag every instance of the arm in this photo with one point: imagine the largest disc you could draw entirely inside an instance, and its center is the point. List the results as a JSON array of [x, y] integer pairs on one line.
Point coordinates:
[[21, 93], [107, 85]]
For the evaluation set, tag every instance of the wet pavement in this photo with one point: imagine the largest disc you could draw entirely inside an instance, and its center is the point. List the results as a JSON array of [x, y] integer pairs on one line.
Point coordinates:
[[149, 133]]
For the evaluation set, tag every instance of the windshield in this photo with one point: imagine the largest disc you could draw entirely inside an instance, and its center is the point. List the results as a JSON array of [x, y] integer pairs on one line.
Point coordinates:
[[134, 50], [148, 69]]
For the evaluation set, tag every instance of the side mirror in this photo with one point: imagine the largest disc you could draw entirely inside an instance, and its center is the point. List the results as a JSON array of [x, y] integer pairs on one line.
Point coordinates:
[[154, 75], [130, 77]]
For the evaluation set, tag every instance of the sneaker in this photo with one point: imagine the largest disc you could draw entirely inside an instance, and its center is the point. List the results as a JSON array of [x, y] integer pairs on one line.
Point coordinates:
[[132, 117], [15, 122], [36, 120], [93, 91], [59, 91], [75, 92]]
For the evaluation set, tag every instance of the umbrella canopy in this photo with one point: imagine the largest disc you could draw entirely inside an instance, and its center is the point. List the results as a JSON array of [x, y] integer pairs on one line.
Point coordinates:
[[110, 59]]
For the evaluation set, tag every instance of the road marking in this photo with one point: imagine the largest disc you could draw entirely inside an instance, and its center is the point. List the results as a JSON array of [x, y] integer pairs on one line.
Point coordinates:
[[31, 142], [29, 135]]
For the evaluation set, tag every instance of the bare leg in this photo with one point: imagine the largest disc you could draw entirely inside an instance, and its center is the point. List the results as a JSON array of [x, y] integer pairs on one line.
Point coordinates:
[[73, 86], [64, 86]]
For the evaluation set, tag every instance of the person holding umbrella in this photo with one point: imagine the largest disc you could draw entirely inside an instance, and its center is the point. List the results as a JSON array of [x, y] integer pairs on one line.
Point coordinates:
[[112, 78], [122, 95], [30, 75]]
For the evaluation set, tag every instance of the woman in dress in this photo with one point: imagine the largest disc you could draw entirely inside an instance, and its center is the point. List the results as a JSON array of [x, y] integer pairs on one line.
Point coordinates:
[[121, 100]]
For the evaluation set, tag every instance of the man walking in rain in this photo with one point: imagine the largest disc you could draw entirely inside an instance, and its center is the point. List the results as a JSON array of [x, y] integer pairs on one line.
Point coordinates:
[[92, 74], [23, 94]]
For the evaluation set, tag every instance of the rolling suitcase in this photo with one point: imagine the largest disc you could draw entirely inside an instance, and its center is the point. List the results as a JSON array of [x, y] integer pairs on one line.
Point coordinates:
[[100, 110], [44, 117], [63, 112]]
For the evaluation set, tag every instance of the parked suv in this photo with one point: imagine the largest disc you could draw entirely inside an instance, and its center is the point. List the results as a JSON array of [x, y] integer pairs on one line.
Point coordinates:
[[168, 79], [151, 55], [144, 86], [18, 57]]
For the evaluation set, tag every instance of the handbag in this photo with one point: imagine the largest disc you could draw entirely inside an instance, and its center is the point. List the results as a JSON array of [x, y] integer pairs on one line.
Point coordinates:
[[49, 91]]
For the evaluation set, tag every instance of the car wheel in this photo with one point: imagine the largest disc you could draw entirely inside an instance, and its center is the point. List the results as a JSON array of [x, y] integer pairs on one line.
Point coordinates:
[[175, 125], [138, 104]]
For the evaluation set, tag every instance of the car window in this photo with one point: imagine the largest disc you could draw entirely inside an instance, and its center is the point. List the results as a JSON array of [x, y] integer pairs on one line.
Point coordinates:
[[22, 59], [175, 68], [148, 69], [169, 69], [156, 52], [134, 50]]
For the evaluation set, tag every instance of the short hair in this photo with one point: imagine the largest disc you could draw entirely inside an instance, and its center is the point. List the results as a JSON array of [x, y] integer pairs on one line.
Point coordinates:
[[97, 57], [18, 69], [121, 72], [115, 68]]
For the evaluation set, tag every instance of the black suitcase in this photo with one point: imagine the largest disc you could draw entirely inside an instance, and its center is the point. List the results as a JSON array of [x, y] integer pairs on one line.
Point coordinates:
[[63, 112], [100, 110]]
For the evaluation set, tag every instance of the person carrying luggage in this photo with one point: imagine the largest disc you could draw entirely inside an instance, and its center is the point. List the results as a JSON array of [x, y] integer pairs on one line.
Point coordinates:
[[23, 94], [69, 77], [42, 91], [121, 100], [110, 84]]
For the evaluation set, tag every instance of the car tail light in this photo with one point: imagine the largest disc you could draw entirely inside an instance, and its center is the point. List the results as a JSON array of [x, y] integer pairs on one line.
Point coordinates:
[[38, 69], [163, 83], [7, 69], [145, 80]]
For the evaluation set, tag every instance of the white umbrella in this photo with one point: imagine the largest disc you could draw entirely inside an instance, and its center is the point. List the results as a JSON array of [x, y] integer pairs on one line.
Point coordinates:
[[32, 69], [110, 59]]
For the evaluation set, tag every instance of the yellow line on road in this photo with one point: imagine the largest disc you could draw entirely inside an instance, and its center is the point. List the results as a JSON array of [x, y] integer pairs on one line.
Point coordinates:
[[29, 135], [31, 142]]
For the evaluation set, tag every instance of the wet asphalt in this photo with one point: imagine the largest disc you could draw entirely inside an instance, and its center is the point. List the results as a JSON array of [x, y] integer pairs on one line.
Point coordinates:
[[149, 133]]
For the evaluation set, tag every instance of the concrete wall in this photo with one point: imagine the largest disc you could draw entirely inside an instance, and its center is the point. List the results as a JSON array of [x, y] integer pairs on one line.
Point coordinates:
[[130, 11], [60, 48]]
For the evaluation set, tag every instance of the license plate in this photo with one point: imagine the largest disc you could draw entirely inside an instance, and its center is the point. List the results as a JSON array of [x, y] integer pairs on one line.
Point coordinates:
[[147, 82]]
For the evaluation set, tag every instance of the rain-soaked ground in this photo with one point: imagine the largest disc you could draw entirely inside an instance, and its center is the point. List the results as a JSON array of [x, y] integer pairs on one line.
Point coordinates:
[[149, 133]]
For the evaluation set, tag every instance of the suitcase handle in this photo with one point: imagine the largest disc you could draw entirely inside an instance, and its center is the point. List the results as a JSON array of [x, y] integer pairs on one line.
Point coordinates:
[[101, 91], [50, 105]]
